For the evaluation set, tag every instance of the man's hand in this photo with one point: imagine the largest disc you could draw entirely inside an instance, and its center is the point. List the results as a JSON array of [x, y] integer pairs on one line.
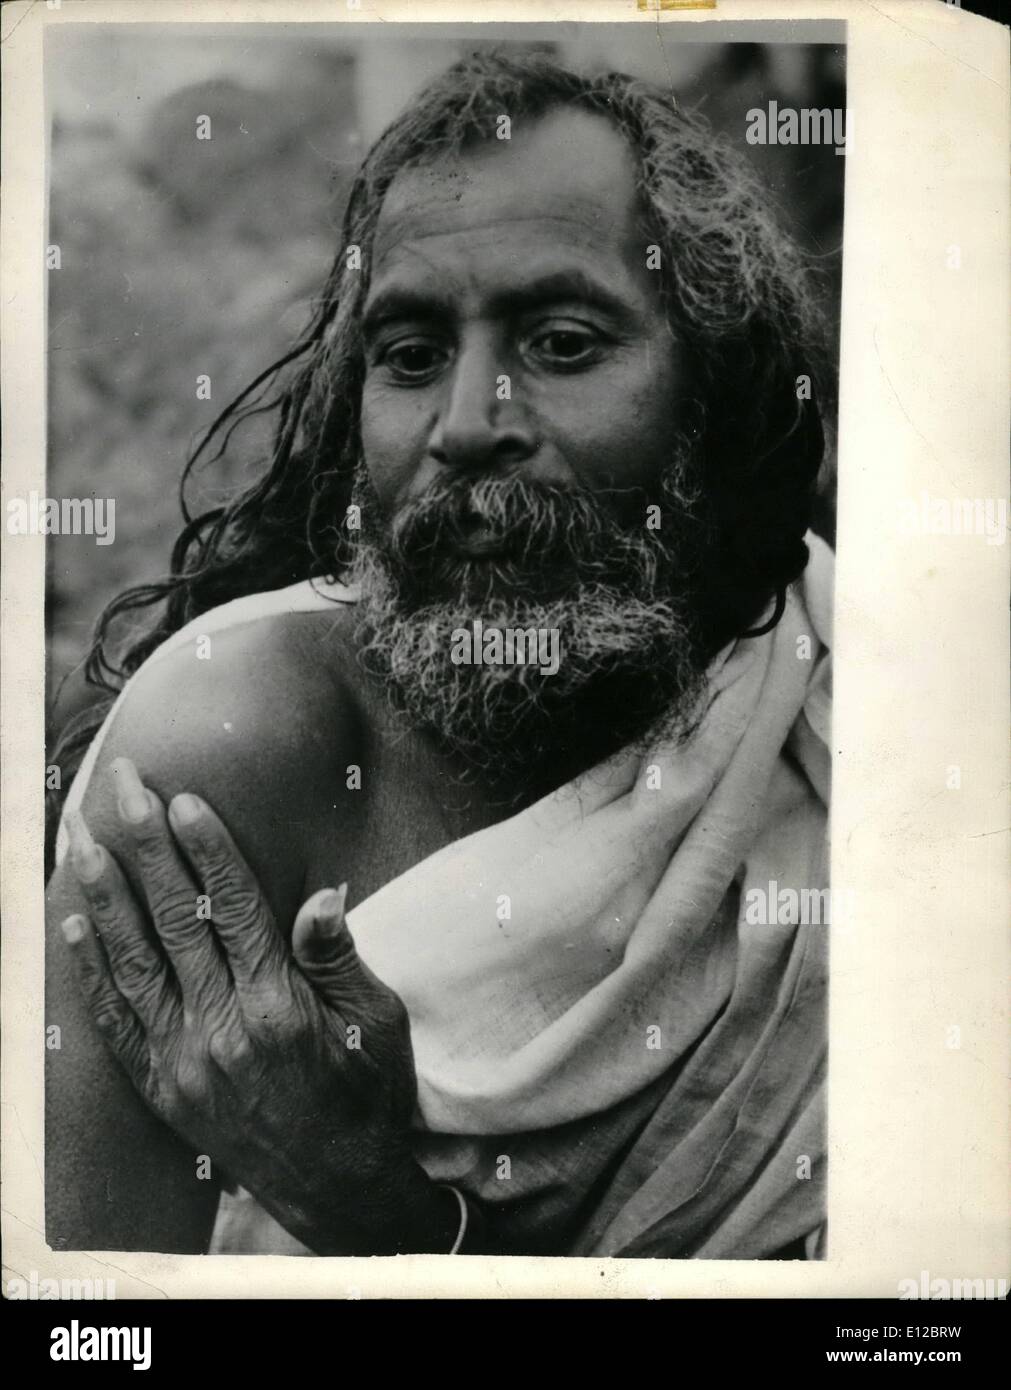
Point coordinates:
[[292, 1069]]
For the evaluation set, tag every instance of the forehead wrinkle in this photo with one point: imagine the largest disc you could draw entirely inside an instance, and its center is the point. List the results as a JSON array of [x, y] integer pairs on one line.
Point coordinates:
[[569, 168], [549, 274], [602, 238], [552, 281]]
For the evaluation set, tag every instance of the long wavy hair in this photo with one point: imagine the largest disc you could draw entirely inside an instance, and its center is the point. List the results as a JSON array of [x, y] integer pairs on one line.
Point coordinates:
[[737, 292]]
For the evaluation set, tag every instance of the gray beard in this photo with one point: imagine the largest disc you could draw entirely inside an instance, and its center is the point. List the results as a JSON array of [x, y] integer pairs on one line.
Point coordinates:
[[631, 665]]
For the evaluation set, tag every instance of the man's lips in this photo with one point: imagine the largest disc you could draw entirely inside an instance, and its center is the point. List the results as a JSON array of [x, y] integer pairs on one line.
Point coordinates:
[[477, 548], [481, 543]]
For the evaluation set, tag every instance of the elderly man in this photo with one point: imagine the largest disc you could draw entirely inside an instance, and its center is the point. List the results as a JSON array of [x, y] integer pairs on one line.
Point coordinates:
[[550, 396]]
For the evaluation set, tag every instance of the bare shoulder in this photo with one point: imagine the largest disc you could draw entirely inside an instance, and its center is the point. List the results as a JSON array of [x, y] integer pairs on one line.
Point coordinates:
[[257, 719], [258, 690], [253, 722]]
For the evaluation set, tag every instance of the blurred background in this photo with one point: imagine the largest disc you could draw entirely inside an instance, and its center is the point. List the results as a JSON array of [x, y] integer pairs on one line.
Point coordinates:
[[182, 257]]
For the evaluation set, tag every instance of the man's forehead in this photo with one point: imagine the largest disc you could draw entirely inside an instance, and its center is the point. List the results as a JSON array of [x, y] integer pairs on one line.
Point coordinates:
[[568, 175]]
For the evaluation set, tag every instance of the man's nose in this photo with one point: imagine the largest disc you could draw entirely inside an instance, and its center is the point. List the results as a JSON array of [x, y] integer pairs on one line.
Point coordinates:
[[479, 424]]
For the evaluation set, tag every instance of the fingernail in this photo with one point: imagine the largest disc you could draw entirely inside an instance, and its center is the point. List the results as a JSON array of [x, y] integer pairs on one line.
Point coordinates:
[[133, 799], [73, 929], [330, 910], [85, 855], [185, 809]]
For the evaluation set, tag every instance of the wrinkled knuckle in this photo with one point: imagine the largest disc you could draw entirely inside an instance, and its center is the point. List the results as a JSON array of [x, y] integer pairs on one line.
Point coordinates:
[[237, 905], [151, 845], [227, 1047], [159, 872], [272, 1007], [216, 866], [108, 1016], [177, 912], [133, 971], [93, 980]]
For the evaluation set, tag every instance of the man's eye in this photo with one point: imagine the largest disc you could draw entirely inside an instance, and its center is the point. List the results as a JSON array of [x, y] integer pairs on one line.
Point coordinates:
[[412, 361], [566, 346]]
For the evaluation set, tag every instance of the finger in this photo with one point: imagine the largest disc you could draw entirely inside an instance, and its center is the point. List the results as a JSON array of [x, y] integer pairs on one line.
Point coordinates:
[[179, 911], [326, 954], [320, 933], [241, 916], [109, 1010], [133, 954]]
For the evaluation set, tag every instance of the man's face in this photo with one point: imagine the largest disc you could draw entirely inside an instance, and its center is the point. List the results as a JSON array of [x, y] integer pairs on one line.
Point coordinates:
[[519, 414], [524, 261]]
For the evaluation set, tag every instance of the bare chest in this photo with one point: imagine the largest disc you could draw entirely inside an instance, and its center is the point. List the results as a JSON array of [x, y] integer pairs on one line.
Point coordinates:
[[397, 804]]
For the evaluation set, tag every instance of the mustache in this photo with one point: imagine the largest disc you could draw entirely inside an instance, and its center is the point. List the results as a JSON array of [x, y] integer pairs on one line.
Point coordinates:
[[536, 533], [513, 507]]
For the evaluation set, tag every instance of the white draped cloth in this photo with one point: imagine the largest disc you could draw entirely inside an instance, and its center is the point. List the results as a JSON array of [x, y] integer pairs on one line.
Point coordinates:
[[592, 972]]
